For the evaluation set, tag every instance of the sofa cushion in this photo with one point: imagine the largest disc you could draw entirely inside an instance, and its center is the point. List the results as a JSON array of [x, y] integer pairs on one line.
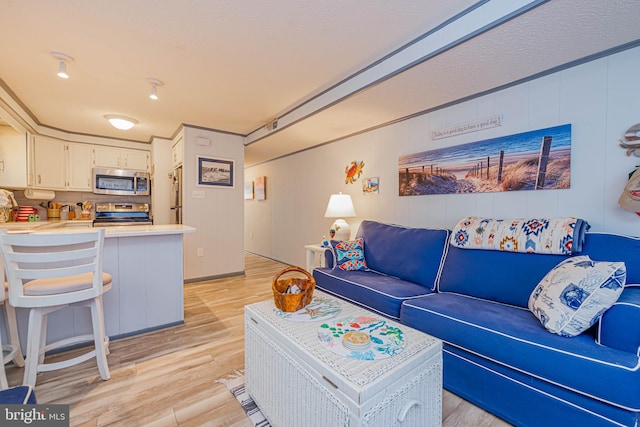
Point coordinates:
[[19, 395], [513, 337], [606, 246], [619, 326], [505, 277], [412, 254], [510, 277], [575, 293], [348, 254], [377, 292]]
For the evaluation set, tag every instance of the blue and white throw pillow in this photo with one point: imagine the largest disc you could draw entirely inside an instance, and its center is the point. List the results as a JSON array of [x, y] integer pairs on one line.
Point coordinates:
[[349, 255], [575, 293]]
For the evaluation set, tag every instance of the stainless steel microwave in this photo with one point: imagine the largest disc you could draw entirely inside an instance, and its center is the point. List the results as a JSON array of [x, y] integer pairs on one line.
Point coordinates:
[[123, 182]]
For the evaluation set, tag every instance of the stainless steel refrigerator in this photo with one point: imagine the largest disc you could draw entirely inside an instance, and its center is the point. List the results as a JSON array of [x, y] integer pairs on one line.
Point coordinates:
[[176, 197]]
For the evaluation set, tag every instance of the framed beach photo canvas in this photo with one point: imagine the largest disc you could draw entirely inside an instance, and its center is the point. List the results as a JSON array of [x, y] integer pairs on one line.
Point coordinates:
[[261, 188], [534, 160], [248, 190], [215, 172]]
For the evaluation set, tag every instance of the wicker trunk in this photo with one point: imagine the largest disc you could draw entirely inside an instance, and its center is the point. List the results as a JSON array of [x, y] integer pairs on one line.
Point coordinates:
[[295, 381]]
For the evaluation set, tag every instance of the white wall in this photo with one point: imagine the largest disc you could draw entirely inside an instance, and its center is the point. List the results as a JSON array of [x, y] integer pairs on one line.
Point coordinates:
[[598, 98], [218, 215]]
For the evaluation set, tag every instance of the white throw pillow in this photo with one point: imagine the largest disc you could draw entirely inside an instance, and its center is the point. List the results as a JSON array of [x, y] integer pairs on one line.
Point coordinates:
[[575, 293]]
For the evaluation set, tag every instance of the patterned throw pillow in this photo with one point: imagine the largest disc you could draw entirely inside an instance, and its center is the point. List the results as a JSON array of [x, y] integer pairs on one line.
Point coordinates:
[[575, 293], [349, 255]]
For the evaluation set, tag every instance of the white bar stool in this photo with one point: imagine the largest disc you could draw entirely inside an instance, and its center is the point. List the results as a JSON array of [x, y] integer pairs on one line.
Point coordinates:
[[13, 350], [48, 272]]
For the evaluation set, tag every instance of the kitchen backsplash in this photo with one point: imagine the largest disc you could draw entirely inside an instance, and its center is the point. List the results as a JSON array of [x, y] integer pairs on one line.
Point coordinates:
[[72, 197]]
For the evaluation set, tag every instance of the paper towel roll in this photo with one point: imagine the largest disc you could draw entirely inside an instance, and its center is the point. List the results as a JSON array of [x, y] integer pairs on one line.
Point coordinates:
[[32, 193]]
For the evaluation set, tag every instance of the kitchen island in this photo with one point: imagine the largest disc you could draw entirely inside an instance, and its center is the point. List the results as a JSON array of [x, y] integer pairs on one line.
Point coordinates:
[[146, 262]]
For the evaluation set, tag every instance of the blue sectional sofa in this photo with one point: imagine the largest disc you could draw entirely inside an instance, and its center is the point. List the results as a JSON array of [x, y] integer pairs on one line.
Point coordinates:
[[497, 354]]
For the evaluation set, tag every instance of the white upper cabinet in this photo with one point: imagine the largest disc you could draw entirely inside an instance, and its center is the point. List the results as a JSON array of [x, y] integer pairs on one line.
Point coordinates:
[[123, 158], [13, 158], [49, 163], [63, 165], [106, 157], [177, 153], [136, 159], [79, 164]]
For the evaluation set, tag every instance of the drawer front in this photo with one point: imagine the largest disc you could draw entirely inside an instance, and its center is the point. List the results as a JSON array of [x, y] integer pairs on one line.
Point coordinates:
[[418, 403], [286, 393]]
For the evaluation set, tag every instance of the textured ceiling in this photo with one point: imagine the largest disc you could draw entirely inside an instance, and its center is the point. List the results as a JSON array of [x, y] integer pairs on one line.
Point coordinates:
[[551, 35], [227, 64], [235, 65]]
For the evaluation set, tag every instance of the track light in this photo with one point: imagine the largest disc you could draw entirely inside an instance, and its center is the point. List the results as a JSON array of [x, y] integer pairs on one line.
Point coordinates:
[[62, 70], [62, 67], [154, 92], [121, 122], [154, 87]]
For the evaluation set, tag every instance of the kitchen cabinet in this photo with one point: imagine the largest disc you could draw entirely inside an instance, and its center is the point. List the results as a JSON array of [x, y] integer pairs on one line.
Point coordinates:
[[124, 158], [61, 165], [177, 152], [49, 163], [79, 162], [13, 158], [136, 159], [106, 157]]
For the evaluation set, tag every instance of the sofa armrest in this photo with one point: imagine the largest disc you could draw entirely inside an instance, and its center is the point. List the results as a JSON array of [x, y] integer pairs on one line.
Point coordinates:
[[328, 257], [619, 326]]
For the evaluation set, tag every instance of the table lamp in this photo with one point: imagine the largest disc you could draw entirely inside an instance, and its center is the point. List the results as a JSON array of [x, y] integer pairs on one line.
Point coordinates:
[[340, 206]]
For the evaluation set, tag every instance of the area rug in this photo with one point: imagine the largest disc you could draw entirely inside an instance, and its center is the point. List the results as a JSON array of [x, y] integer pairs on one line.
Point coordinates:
[[235, 384]]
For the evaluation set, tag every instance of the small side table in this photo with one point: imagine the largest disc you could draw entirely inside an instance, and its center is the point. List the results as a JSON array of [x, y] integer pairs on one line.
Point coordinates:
[[312, 251]]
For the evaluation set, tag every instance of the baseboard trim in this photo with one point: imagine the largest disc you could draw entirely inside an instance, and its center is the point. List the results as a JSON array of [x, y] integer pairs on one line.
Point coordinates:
[[218, 276]]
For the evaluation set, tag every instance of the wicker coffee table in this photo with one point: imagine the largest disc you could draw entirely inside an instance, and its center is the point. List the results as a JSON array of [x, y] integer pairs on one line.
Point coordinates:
[[301, 374]]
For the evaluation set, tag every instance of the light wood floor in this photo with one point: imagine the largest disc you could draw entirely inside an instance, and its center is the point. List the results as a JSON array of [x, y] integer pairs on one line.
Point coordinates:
[[168, 377]]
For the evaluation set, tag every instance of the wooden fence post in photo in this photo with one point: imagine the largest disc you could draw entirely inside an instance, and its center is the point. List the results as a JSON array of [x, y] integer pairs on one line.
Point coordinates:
[[542, 161], [488, 165], [500, 163]]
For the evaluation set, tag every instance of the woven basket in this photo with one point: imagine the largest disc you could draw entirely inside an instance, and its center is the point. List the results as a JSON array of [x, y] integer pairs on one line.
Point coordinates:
[[292, 302]]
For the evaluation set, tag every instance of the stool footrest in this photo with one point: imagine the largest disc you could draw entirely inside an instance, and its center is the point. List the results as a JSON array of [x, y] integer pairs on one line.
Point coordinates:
[[88, 338], [12, 351], [44, 367]]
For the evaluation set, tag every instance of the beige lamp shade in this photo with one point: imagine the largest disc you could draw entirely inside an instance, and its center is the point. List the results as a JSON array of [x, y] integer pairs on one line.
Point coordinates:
[[340, 206]]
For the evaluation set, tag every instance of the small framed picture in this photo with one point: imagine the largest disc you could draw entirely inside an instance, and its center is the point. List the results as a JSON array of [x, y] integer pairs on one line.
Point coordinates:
[[370, 185], [215, 172], [261, 188], [248, 190]]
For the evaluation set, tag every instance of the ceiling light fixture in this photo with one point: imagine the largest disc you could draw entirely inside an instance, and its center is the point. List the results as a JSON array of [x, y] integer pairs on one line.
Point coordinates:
[[154, 87], [62, 68], [121, 122]]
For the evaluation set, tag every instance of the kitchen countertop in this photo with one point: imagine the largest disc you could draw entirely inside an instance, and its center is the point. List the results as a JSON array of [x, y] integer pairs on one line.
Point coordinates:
[[115, 231], [45, 224]]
